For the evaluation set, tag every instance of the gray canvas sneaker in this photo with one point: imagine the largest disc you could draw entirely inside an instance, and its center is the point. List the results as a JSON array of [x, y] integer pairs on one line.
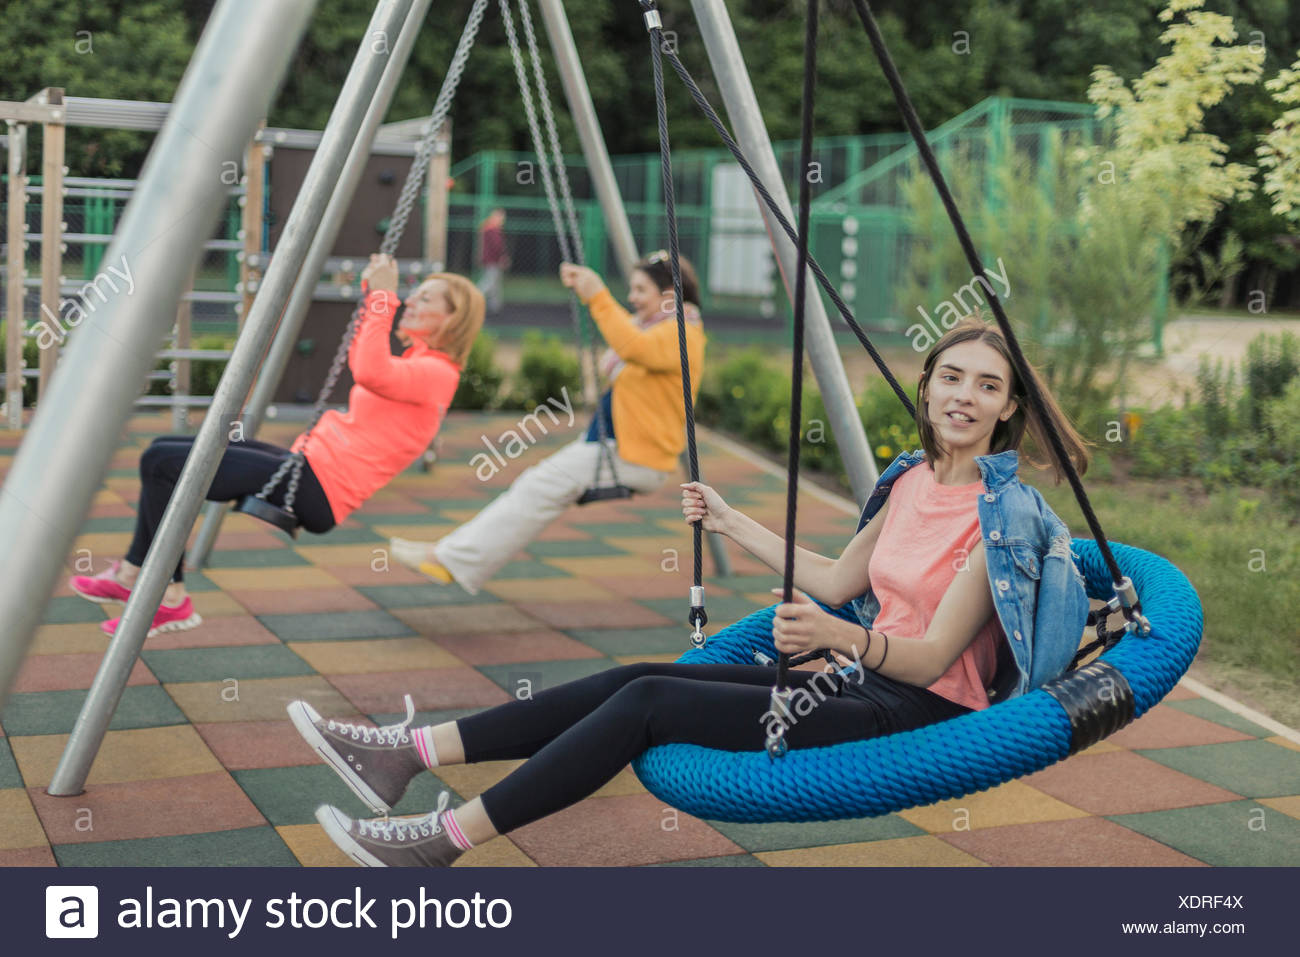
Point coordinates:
[[419, 841], [376, 763]]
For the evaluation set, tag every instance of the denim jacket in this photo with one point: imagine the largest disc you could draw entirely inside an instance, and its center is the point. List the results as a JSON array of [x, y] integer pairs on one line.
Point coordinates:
[[1038, 591]]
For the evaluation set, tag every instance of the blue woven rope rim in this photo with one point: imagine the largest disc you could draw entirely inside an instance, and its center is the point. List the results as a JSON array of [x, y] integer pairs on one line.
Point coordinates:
[[946, 760]]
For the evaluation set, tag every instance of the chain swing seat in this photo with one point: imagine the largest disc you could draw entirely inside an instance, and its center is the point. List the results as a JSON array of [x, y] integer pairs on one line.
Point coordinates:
[[259, 505], [614, 489], [604, 493], [1140, 661], [282, 518]]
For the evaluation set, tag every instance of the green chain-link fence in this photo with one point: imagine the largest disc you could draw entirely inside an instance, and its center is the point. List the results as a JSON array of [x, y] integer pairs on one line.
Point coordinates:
[[861, 230]]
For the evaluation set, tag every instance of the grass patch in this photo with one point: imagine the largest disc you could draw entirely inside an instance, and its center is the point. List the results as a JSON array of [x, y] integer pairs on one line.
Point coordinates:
[[1241, 554]]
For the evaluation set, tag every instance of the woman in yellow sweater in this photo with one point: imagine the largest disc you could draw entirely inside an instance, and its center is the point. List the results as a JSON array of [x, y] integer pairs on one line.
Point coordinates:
[[644, 424]]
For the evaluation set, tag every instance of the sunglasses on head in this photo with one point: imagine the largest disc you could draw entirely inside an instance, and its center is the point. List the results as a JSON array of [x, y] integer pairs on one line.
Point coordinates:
[[658, 256]]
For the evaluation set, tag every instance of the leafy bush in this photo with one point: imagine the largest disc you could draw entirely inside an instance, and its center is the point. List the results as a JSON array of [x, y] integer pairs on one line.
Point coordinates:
[[1168, 443], [1271, 363], [481, 379], [1215, 386], [548, 369], [31, 360], [889, 426], [206, 373], [1282, 416], [730, 389], [1232, 436], [749, 396], [1283, 419]]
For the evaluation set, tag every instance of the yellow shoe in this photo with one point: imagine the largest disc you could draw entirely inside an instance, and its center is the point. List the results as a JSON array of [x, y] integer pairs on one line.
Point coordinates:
[[435, 571]]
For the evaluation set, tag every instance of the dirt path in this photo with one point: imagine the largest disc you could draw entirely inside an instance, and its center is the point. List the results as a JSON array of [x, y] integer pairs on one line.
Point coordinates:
[[1190, 337]]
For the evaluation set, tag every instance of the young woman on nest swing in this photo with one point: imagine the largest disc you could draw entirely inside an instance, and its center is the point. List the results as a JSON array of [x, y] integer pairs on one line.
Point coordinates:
[[954, 561]]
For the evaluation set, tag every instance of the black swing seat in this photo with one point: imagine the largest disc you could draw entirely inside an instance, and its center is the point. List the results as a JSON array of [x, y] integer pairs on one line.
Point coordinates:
[[260, 508], [604, 493]]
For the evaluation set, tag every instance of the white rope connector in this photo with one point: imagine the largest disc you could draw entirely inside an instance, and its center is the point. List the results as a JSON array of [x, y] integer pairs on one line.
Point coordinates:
[[652, 21]]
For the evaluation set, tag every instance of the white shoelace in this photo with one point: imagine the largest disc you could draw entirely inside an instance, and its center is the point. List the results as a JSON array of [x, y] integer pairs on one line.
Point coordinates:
[[390, 734], [406, 828]]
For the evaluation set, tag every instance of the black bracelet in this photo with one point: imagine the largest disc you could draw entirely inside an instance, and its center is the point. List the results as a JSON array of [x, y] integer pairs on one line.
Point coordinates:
[[886, 654]]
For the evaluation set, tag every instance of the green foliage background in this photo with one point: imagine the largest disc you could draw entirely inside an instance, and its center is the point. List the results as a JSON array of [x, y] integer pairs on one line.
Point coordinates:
[[1031, 48]]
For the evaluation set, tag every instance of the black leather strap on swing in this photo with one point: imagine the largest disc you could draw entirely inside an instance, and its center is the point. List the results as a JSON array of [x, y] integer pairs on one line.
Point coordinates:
[[259, 508], [604, 493]]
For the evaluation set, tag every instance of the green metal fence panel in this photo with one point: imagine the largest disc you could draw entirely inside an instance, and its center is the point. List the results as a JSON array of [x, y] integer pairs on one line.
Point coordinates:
[[861, 228]]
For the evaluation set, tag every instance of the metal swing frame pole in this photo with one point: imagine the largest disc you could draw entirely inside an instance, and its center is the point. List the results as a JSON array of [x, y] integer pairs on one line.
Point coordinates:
[[238, 63], [169, 541], [583, 111], [747, 125], [286, 336], [578, 95]]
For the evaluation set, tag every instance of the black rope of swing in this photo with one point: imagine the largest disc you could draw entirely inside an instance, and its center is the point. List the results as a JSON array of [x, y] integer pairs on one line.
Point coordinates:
[[801, 271], [914, 126], [823, 280], [697, 614], [977, 268]]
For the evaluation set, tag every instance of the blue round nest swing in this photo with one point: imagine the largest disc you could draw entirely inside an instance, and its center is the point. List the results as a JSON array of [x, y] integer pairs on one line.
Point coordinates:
[[945, 760]]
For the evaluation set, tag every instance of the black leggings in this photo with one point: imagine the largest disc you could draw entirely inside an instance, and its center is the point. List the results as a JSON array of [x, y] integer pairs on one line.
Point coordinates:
[[581, 734], [244, 468]]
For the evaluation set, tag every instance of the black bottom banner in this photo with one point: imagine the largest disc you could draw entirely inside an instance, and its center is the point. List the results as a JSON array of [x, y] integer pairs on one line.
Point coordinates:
[[652, 910]]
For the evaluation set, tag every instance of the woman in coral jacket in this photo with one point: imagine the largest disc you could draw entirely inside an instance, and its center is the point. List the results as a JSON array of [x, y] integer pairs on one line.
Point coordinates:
[[394, 410]]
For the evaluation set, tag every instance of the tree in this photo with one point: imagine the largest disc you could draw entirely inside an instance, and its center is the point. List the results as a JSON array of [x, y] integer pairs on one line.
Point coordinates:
[[114, 49], [1080, 234], [1174, 169], [1279, 156]]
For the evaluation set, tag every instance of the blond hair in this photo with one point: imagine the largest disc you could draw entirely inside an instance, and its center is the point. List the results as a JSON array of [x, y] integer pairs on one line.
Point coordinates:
[[467, 311], [1008, 434]]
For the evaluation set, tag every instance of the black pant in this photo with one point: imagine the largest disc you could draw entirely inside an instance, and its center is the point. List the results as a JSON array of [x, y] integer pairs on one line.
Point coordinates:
[[579, 735], [244, 468]]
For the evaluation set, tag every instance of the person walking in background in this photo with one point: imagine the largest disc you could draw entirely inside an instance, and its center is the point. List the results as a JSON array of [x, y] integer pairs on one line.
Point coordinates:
[[493, 258]]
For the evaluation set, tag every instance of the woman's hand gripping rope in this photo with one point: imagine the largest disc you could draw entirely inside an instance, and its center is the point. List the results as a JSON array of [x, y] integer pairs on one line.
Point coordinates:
[[801, 625], [702, 504]]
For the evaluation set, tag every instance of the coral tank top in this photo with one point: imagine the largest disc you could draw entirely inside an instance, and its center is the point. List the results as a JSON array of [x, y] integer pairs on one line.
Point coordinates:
[[929, 533]]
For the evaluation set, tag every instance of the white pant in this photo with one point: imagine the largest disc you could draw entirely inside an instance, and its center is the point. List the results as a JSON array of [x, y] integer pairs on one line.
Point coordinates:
[[475, 551], [492, 285]]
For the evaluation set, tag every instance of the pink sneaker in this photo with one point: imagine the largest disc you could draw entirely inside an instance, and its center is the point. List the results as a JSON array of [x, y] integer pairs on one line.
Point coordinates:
[[102, 588], [183, 617]]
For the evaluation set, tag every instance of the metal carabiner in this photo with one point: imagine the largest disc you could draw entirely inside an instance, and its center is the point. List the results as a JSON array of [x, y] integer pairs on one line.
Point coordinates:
[[1131, 605], [697, 637], [697, 617], [776, 744]]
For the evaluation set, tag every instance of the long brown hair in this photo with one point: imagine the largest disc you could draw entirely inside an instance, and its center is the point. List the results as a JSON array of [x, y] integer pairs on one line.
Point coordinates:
[[467, 311], [1008, 434]]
